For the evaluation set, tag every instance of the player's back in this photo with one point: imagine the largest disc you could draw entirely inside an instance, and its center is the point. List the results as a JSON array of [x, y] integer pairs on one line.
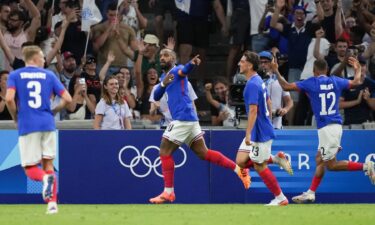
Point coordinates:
[[179, 102], [34, 87], [255, 94], [324, 93]]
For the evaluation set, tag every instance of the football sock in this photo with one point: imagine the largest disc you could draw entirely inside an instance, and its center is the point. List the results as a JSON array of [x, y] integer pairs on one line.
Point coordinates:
[[167, 167], [219, 159], [54, 196], [315, 183], [270, 181], [353, 166], [169, 190], [249, 164], [34, 173]]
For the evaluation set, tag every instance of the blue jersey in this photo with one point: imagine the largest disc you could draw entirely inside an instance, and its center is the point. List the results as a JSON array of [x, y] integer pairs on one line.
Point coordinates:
[[179, 103], [255, 94], [34, 87], [324, 93]]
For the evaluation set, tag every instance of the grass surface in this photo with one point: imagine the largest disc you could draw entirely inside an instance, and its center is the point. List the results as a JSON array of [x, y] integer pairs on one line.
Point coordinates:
[[316, 214]]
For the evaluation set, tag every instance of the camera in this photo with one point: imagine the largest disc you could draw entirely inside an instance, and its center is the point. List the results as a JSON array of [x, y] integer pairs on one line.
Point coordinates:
[[281, 57], [276, 113], [352, 51], [82, 81]]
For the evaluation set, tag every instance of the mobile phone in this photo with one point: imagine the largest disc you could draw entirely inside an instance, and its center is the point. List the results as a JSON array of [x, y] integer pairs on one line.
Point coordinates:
[[82, 81]]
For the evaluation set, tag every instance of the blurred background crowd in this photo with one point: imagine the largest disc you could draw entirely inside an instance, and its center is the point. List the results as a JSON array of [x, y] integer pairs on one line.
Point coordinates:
[[127, 41]]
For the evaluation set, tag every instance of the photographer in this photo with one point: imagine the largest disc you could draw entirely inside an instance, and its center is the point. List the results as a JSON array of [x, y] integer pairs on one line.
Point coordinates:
[[281, 100]]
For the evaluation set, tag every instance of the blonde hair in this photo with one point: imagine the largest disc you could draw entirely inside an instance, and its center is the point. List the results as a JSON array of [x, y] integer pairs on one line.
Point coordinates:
[[29, 52]]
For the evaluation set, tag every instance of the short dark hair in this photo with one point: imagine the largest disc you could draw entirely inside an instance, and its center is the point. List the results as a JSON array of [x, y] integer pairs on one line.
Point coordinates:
[[112, 6], [252, 58], [221, 80], [2, 72], [342, 40], [21, 15], [320, 65]]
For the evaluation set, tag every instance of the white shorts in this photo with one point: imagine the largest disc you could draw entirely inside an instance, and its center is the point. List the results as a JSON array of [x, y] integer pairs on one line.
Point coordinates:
[[329, 141], [259, 152], [35, 146], [180, 132]]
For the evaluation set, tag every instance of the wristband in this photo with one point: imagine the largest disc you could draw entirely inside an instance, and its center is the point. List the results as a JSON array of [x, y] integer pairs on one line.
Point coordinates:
[[162, 85]]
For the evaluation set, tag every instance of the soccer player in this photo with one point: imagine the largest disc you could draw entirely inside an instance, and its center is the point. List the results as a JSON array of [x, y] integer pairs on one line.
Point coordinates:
[[324, 93], [256, 146], [185, 127], [32, 87]]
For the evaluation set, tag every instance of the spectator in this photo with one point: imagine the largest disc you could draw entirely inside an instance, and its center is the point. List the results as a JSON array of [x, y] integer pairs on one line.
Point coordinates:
[[221, 113], [126, 83], [160, 9], [239, 33], [4, 16], [330, 18], [69, 68], [359, 103], [259, 40], [91, 78], [193, 27], [15, 36], [335, 57], [299, 37], [112, 36], [281, 100], [4, 113], [81, 106], [112, 112]]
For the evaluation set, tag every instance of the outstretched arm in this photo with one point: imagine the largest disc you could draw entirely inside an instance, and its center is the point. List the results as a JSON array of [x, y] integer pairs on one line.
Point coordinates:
[[283, 83], [189, 66]]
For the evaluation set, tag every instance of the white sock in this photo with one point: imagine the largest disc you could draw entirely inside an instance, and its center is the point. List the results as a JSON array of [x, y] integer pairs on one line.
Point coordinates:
[[310, 192], [237, 169], [281, 196], [169, 190]]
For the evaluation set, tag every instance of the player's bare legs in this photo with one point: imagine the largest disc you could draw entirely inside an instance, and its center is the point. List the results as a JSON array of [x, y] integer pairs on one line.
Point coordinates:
[[167, 164], [270, 181], [200, 149]]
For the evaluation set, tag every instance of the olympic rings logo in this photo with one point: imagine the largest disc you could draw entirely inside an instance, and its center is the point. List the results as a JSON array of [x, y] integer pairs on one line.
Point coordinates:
[[141, 158]]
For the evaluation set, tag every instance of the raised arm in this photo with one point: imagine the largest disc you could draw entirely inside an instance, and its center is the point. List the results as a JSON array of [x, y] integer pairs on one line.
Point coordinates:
[[209, 97], [283, 83], [275, 16], [104, 69], [8, 53], [319, 11], [339, 29], [189, 66], [349, 104], [319, 34], [221, 16], [35, 21], [357, 72]]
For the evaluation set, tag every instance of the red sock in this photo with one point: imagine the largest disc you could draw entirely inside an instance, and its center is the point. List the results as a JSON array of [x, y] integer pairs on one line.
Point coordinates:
[[353, 166], [315, 183], [269, 161], [270, 181], [249, 164], [54, 197], [34, 173], [219, 159], [167, 167]]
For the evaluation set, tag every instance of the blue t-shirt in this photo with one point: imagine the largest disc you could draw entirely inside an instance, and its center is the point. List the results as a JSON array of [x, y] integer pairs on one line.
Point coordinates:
[[255, 94], [179, 102], [324, 93], [34, 87]]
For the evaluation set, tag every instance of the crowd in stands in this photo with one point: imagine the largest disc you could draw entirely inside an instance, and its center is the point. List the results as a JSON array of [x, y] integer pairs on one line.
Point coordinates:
[[124, 50]]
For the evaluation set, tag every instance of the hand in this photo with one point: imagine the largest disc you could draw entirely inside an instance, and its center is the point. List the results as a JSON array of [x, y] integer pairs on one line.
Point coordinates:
[[366, 94], [248, 140], [274, 65], [282, 112], [354, 63], [170, 43], [208, 86], [196, 60], [141, 46], [223, 115], [168, 79], [110, 57], [319, 33], [339, 4]]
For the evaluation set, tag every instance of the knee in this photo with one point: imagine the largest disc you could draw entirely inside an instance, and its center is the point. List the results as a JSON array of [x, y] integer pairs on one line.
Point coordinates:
[[330, 166], [241, 163]]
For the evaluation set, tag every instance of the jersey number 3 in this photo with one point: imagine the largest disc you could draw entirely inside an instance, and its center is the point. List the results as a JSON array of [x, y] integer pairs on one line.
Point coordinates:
[[35, 89], [323, 99]]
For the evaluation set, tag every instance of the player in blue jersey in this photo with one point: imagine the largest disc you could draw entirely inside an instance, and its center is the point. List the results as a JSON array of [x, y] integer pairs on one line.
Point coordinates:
[[29, 90], [185, 127], [256, 146], [324, 93]]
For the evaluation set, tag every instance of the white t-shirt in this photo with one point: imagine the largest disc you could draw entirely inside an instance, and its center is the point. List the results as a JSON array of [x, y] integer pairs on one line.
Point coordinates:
[[276, 94], [310, 59], [257, 8], [113, 115], [164, 104], [131, 20]]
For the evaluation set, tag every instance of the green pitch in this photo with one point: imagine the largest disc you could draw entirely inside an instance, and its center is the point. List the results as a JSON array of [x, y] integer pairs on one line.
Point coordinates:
[[205, 214]]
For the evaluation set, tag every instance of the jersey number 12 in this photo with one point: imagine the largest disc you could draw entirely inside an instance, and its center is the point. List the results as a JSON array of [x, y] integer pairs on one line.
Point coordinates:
[[323, 99]]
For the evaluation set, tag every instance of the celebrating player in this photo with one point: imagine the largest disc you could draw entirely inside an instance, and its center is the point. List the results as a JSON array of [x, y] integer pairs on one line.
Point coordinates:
[[256, 146], [185, 127], [324, 93], [32, 88]]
